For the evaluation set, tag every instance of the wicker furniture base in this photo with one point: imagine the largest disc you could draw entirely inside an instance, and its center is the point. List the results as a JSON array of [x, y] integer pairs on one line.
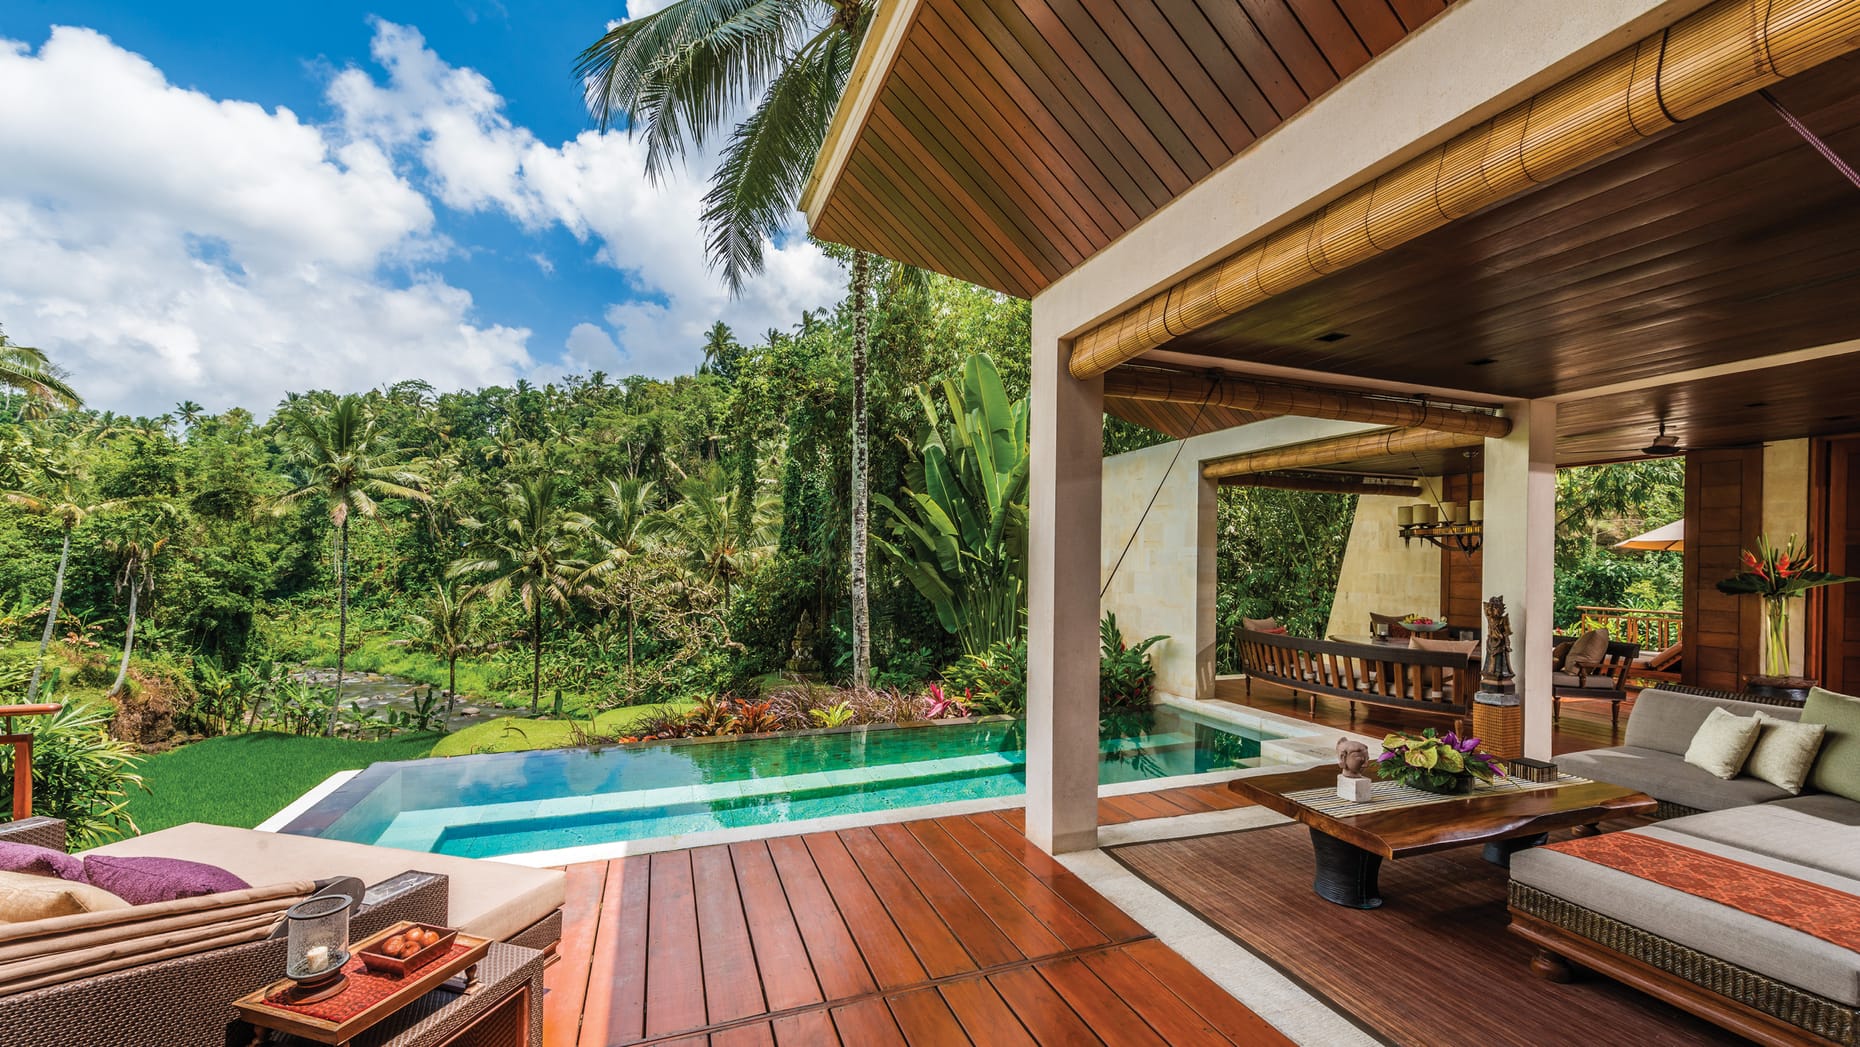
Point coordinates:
[[1747, 1003]]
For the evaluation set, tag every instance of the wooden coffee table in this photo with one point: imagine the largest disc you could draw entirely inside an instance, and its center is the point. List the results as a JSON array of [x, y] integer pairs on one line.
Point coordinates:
[[1350, 848]]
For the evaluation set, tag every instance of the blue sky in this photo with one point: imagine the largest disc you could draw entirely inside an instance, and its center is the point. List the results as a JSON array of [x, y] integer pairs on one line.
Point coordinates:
[[223, 201]]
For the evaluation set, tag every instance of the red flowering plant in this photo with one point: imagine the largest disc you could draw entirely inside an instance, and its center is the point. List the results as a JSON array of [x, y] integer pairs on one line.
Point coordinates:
[[1777, 573]]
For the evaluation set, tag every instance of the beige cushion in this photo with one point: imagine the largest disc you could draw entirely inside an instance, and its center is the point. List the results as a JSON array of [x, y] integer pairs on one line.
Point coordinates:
[[1428, 643], [1259, 625], [1723, 743], [1838, 769], [1587, 652], [488, 898], [25, 897], [1784, 752]]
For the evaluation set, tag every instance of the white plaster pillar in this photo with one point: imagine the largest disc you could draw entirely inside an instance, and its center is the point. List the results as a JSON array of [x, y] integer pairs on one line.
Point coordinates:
[[1066, 433], [1207, 581], [1520, 550]]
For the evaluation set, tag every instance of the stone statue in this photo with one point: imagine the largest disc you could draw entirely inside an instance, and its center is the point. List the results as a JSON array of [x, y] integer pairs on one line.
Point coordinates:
[[1496, 674], [1351, 756], [801, 660]]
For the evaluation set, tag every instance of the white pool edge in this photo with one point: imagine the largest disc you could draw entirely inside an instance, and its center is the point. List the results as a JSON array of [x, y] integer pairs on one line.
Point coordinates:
[[308, 800]]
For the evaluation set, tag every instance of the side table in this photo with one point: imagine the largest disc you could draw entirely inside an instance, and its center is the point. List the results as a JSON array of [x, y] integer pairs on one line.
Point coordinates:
[[502, 1009]]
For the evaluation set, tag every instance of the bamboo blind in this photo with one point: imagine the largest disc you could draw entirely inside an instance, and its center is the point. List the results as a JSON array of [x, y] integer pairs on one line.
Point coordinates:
[[1722, 52], [1275, 398], [1340, 449]]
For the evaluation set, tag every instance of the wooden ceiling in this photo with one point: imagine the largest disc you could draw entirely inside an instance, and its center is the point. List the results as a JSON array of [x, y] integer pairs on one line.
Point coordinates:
[[1013, 139], [1724, 239]]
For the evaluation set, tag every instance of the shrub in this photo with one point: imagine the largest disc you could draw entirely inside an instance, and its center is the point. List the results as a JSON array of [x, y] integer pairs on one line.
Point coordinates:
[[1126, 679], [993, 681], [79, 773]]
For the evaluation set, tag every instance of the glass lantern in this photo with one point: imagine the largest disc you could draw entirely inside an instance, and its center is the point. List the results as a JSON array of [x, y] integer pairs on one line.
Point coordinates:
[[318, 940]]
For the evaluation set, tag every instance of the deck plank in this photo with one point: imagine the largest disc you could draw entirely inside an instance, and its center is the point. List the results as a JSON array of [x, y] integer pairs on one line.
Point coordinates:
[[1233, 1018], [744, 1036], [674, 975], [805, 1029], [1097, 1004], [935, 944], [925, 1020], [732, 987], [886, 952], [1041, 1009], [842, 971], [1113, 922], [1054, 912], [566, 981], [1023, 929], [867, 1023], [973, 929], [1175, 1021], [615, 1008], [781, 955], [987, 1020]]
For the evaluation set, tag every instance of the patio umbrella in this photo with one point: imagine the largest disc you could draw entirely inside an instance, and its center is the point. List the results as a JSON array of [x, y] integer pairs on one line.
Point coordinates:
[[1671, 537]]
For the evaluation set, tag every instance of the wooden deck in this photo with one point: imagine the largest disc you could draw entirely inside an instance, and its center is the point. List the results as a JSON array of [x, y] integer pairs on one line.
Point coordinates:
[[942, 931]]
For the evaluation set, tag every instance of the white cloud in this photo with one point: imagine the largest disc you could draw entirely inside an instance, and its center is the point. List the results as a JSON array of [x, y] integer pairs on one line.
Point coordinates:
[[175, 245]]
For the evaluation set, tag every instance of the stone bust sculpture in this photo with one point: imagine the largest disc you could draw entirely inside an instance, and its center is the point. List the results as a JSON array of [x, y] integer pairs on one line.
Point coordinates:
[[1351, 756]]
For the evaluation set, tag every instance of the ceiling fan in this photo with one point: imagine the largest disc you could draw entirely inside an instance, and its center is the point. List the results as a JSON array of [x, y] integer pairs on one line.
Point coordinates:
[[1663, 445]]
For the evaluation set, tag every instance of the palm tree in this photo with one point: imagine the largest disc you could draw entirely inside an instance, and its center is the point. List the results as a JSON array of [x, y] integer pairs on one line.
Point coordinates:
[[337, 447], [629, 519], [677, 76], [710, 525], [447, 629], [29, 371], [530, 548], [190, 414], [57, 493], [138, 573], [720, 349]]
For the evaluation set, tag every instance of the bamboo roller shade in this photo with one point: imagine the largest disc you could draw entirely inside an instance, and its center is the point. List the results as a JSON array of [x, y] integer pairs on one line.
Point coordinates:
[[1273, 398], [1721, 52], [1340, 449]]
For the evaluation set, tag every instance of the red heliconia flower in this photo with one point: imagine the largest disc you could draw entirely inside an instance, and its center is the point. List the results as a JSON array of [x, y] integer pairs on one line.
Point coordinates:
[[1750, 560]]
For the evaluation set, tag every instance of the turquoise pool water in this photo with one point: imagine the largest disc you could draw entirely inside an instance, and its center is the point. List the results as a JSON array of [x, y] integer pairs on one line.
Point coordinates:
[[510, 803]]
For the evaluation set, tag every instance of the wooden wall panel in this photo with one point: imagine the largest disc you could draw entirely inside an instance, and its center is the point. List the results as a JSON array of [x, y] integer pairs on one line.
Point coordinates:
[[1462, 577], [1724, 514], [1833, 654]]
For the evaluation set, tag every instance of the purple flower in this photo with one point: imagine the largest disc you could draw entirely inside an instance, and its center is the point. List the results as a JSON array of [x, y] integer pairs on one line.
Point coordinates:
[[1450, 738], [1388, 755]]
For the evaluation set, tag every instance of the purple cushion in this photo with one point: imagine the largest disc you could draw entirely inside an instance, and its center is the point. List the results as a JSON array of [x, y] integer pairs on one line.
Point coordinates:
[[140, 881], [40, 861]]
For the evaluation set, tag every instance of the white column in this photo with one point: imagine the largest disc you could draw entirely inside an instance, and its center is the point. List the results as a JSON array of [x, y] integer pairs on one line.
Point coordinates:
[[1066, 432], [1519, 551], [1207, 579]]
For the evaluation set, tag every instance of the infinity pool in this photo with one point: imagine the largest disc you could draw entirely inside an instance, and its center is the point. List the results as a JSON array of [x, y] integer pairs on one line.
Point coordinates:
[[511, 803]]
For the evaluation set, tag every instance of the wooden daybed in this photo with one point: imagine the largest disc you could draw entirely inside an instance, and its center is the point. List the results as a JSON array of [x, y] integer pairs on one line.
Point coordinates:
[[1390, 675]]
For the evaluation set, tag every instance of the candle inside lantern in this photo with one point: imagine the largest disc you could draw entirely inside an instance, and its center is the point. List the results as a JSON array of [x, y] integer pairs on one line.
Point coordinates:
[[316, 958], [1478, 510], [1460, 511], [1404, 515]]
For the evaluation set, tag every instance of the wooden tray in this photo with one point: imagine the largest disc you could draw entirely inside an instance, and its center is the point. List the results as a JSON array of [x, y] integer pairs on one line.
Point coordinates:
[[401, 966], [254, 1009]]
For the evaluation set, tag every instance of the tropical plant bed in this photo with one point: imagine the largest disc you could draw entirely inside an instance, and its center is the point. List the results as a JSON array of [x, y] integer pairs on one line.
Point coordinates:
[[243, 779]]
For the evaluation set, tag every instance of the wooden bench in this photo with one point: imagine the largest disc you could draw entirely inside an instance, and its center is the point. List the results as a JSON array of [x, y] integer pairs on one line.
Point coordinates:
[[1437, 682]]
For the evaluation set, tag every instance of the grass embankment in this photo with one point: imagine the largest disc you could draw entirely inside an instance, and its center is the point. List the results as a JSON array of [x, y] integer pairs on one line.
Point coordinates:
[[243, 779], [509, 734]]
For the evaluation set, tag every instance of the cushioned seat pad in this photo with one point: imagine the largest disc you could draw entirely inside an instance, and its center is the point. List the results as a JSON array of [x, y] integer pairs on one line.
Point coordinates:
[[1729, 934], [1665, 776], [1784, 833], [489, 899]]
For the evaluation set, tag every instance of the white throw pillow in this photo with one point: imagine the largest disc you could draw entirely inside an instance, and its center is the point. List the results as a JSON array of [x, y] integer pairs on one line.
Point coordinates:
[[1723, 742], [1784, 752]]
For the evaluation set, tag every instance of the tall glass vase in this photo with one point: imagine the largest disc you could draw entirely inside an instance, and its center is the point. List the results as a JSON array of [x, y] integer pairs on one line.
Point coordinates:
[[1776, 642]]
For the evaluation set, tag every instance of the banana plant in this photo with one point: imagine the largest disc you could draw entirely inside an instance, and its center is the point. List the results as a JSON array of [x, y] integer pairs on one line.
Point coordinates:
[[960, 535]]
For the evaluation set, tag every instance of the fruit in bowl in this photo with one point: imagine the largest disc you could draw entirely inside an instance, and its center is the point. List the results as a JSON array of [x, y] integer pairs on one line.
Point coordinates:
[[1416, 623]]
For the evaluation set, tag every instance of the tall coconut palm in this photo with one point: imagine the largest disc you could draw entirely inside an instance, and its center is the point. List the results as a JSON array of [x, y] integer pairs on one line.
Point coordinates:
[[720, 351], [446, 628], [719, 546], [528, 546], [677, 76], [336, 446], [29, 371], [57, 493], [136, 574], [629, 519]]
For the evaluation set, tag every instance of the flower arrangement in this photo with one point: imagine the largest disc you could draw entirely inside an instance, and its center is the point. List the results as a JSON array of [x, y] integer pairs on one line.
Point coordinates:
[[1777, 573], [1437, 763]]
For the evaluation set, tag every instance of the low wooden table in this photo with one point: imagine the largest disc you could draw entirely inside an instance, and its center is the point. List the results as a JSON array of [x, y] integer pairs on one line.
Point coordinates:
[[1350, 848], [499, 1005]]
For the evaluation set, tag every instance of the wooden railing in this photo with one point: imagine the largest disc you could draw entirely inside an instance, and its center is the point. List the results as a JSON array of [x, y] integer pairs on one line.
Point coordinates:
[[22, 755], [1652, 630]]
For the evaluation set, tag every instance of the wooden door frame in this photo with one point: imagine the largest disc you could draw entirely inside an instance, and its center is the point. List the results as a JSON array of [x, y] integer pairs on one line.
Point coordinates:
[[1820, 525]]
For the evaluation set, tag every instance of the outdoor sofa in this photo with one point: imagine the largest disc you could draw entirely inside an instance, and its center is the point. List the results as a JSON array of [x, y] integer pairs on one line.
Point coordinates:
[[1393, 676], [1723, 952], [131, 977]]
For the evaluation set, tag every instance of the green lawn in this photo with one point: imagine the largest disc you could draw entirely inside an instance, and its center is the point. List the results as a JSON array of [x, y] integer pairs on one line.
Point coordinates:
[[243, 779], [509, 734]]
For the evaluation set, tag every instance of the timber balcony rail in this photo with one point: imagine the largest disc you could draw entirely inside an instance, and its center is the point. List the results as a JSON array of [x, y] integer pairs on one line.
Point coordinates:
[[1652, 630], [1439, 682], [22, 755]]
